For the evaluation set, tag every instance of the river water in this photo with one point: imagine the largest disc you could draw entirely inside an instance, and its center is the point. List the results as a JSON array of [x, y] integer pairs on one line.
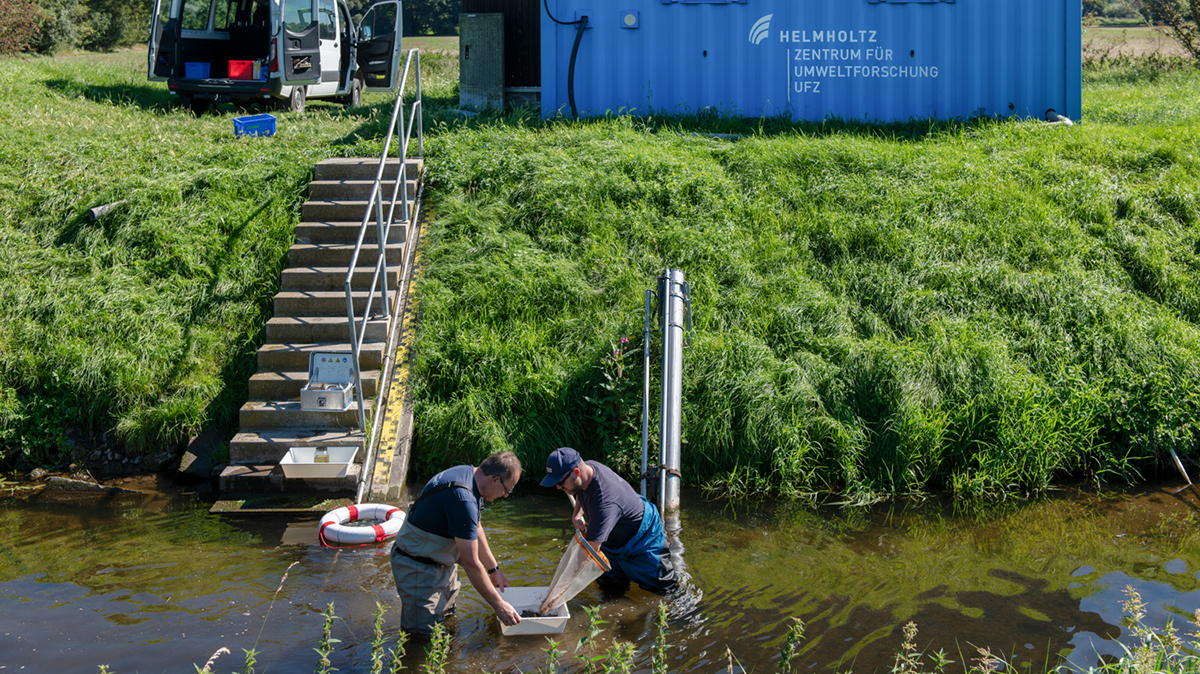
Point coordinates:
[[157, 584]]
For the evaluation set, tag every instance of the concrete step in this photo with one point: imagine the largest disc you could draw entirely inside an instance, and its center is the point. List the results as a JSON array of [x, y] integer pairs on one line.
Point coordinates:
[[362, 168], [274, 385], [347, 209], [269, 478], [346, 232], [266, 416], [339, 254], [268, 447], [356, 190], [291, 357], [334, 278], [325, 303], [321, 329]]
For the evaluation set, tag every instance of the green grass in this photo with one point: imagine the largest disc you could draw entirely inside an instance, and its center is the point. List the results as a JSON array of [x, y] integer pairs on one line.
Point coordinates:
[[983, 306], [145, 323]]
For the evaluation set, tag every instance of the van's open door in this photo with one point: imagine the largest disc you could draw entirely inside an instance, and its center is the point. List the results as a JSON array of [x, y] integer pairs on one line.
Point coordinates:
[[379, 46], [162, 42], [301, 44]]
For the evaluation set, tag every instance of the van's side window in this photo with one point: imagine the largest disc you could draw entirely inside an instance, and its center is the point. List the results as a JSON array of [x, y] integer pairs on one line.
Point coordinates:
[[328, 32], [382, 21], [224, 18], [297, 15], [194, 14]]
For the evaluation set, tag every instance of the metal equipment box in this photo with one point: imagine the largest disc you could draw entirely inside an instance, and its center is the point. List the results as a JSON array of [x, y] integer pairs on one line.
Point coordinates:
[[330, 384], [869, 60], [481, 61]]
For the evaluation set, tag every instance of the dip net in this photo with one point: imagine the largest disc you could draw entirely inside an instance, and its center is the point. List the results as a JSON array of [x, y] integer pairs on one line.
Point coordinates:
[[580, 565]]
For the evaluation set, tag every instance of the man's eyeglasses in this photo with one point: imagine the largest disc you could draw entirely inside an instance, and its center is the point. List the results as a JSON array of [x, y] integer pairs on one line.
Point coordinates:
[[564, 478], [507, 491]]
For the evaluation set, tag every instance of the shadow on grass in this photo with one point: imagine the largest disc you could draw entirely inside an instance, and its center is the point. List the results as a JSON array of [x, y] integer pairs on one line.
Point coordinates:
[[146, 97]]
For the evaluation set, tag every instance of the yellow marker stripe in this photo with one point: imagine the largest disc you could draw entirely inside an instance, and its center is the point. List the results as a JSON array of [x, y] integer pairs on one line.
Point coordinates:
[[399, 383]]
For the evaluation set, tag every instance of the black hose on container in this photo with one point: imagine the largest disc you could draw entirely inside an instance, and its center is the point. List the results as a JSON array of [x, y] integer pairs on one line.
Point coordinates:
[[582, 23]]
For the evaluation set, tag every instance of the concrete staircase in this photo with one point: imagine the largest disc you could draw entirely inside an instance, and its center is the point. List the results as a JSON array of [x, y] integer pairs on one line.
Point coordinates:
[[310, 315]]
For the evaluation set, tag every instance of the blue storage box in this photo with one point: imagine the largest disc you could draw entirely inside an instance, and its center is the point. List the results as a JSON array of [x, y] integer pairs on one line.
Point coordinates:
[[195, 71], [254, 125]]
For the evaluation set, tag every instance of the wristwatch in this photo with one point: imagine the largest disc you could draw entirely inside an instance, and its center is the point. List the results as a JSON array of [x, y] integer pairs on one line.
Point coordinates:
[[494, 569]]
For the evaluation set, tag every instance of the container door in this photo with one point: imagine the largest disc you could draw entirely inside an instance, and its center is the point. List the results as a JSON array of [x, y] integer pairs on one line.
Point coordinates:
[[379, 46], [162, 42], [301, 62]]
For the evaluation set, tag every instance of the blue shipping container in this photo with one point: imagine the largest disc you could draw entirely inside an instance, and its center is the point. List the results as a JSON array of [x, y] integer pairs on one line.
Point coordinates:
[[875, 60]]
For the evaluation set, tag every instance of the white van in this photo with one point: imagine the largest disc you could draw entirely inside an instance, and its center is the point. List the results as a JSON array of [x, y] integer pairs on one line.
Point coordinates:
[[283, 50]]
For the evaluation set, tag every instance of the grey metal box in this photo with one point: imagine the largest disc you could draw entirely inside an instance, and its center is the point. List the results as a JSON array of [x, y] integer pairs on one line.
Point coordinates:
[[330, 382], [481, 61]]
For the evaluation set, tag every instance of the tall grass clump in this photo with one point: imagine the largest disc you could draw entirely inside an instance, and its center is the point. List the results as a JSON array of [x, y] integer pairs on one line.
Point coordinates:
[[139, 328], [977, 305]]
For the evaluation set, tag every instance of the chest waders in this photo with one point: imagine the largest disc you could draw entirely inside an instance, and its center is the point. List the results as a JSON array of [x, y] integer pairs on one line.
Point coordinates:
[[425, 568], [645, 559]]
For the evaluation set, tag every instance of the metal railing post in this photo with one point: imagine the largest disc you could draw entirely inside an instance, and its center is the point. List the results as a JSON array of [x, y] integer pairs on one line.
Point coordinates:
[[379, 280], [646, 392]]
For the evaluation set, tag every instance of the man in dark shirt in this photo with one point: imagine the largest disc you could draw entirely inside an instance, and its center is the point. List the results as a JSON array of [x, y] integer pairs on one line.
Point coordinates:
[[442, 530], [619, 522]]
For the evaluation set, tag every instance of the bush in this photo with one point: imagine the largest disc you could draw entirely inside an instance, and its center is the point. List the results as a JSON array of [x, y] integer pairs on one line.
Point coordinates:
[[57, 25], [18, 26]]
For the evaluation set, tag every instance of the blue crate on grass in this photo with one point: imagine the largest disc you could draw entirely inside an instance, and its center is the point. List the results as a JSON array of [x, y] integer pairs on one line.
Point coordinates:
[[195, 71], [254, 125]]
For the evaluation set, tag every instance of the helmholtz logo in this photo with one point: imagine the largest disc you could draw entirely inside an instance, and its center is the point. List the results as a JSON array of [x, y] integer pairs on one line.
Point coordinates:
[[761, 28]]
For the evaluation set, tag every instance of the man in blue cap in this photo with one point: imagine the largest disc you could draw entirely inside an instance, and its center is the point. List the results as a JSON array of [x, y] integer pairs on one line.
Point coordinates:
[[619, 522]]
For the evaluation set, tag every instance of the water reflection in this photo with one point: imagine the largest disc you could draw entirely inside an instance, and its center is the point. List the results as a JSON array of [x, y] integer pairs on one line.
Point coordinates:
[[158, 584]]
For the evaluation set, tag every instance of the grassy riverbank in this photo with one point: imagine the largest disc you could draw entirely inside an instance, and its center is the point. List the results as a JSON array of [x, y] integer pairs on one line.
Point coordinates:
[[139, 328], [981, 306]]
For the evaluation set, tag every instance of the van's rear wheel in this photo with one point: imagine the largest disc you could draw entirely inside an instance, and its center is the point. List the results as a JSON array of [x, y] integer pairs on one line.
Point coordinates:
[[296, 100], [354, 98]]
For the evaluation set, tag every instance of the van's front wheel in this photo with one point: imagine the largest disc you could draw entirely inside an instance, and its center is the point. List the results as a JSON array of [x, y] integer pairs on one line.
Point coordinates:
[[296, 100]]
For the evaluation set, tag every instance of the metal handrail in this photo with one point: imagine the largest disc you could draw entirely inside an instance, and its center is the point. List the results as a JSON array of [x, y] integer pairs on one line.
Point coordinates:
[[383, 226]]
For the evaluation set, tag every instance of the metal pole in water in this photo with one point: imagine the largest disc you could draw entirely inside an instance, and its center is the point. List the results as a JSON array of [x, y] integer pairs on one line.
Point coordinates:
[[672, 300]]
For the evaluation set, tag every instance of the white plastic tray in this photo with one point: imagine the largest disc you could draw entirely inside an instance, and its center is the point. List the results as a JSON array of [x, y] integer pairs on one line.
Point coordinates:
[[298, 462], [528, 599]]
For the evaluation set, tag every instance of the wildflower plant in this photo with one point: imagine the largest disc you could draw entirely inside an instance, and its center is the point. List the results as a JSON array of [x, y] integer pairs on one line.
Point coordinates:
[[324, 666], [437, 654]]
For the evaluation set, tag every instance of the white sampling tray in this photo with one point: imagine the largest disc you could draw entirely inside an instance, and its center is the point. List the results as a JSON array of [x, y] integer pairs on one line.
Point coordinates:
[[298, 462], [528, 599]]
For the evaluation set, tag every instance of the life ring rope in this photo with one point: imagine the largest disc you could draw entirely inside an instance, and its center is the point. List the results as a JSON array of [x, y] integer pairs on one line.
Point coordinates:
[[333, 525]]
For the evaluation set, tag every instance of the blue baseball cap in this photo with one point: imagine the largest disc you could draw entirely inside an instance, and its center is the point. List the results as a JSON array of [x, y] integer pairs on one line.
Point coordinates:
[[559, 463]]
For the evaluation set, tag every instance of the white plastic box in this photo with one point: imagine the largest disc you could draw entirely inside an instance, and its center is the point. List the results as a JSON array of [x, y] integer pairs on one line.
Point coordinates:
[[298, 462], [529, 599]]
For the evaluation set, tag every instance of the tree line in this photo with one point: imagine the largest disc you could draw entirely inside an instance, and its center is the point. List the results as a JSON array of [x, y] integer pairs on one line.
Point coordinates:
[[50, 26]]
